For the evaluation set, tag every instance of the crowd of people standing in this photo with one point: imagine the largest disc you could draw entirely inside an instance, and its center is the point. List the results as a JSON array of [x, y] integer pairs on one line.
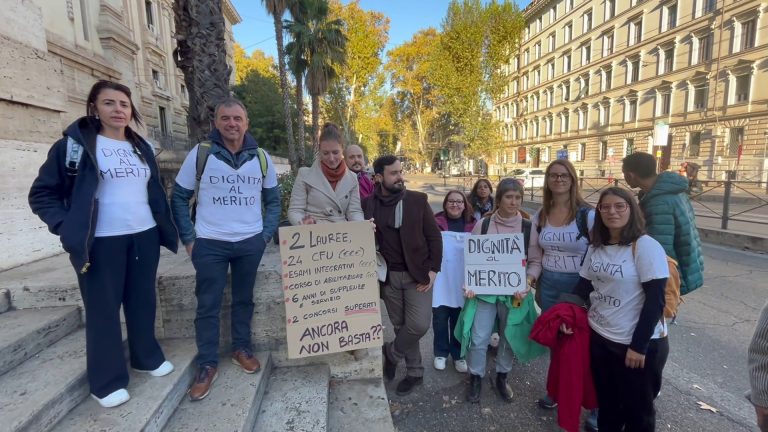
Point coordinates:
[[596, 276]]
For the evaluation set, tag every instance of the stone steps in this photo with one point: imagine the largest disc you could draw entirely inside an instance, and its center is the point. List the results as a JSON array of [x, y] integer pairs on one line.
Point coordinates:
[[296, 400], [359, 402], [232, 405], [153, 399], [25, 333]]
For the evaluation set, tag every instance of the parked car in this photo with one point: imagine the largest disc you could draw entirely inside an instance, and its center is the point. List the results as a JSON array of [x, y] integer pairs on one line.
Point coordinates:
[[532, 177]]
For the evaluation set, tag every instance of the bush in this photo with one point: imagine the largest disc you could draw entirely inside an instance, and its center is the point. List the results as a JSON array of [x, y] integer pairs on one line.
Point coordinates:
[[285, 181]]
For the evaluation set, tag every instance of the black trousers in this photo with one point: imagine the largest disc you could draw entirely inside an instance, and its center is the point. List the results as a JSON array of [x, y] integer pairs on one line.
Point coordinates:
[[123, 272], [625, 396]]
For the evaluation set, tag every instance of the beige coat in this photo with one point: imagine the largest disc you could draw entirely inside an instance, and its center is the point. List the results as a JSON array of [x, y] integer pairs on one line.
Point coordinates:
[[312, 195]]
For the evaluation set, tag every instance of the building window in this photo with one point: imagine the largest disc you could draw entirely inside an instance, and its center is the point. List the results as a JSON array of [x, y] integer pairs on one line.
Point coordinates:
[[149, 10], [84, 18], [700, 97], [607, 44], [668, 60], [567, 63], [742, 88], [630, 110], [610, 9], [702, 49], [156, 79], [735, 139], [582, 119], [516, 63], [748, 29], [703, 7], [564, 122], [163, 118], [566, 92], [694, 144], [549, 125], [539, 22], [584, 86], [525, 82], [514, 87], [551, 70], [586, 54], [605, 114], [603, 150], [537, 50], [546, 152], [665, 101], [567, 32], [568, 5], [607, 81], [633, 71], [587, 22], [552, 14], [551, 97], [635, 31], [629, 146], [526, 57], [551, 42], [669, 17], [537, 77], [535, 102], [581, 153]]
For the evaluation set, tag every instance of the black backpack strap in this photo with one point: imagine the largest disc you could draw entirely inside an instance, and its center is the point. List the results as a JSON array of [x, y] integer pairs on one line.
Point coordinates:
[[582, 223], [526, 234], [486, 224]]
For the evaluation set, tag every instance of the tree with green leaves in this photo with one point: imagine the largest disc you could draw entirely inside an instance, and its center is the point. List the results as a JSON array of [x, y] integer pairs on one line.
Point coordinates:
[[318, 49], [476, 40], [257, 61], [360, 80], [277, 9]]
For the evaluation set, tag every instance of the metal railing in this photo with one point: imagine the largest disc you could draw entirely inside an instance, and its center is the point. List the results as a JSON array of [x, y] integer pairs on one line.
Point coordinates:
[[728, 201]]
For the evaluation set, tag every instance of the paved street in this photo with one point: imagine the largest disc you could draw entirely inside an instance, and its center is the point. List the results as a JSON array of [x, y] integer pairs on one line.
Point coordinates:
[[707, 363]]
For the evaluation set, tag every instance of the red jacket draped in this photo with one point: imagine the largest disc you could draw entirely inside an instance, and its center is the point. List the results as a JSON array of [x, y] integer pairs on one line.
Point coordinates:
[[569, 381]]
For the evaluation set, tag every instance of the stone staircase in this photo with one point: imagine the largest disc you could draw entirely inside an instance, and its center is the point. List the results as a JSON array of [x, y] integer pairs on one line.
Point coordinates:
[[44, 387]]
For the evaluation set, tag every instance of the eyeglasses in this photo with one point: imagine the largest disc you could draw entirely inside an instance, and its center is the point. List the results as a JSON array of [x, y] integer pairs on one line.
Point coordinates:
[[561, 177], [620, 207], [455, 202]]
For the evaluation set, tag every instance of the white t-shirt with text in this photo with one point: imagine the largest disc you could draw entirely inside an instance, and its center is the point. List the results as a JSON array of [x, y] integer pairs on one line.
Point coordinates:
[[448, 282], [229, 201], [122, 191], [562, 252], [618, 296]]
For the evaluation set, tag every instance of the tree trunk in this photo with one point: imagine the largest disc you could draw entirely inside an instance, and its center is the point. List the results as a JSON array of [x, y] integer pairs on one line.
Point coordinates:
[[201, 54], [292, 156], [315, 123], [300, 147]]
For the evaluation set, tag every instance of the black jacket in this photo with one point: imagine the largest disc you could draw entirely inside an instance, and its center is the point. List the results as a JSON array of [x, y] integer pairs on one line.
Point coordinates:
[[68, 204]]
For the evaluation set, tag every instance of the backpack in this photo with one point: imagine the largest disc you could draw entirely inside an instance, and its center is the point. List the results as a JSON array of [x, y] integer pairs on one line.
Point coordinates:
[[672, 297], [526, 230], [201, 159]]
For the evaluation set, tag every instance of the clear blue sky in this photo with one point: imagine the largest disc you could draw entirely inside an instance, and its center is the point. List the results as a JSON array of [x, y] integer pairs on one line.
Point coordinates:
[[406, 18]]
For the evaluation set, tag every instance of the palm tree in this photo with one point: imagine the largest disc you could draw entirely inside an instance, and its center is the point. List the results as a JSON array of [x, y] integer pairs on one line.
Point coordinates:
[[201, 55], [321, 45], [277, 8], [297, 63]]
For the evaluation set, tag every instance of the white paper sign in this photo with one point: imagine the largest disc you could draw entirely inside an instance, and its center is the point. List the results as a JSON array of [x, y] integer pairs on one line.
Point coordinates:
[[495, 264]]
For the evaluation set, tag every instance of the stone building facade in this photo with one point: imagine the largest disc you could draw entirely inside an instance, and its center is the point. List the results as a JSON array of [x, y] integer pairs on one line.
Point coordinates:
[[53, 51], [597, 80]]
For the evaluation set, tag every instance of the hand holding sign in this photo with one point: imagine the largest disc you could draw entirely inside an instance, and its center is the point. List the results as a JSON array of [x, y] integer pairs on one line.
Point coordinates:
[[495, 264]]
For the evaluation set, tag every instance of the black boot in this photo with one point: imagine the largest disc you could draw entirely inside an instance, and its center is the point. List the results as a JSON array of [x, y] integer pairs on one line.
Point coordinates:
[[505, 391], [475, 384]]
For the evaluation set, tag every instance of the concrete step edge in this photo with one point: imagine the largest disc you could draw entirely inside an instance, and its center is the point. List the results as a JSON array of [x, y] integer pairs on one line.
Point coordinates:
[[359, 401], [296, 399], [233, 403], [153, 399], [24, 333]]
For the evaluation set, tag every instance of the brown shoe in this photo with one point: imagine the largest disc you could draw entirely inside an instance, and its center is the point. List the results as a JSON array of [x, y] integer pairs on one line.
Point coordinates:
[[204, 379], [246, 360]]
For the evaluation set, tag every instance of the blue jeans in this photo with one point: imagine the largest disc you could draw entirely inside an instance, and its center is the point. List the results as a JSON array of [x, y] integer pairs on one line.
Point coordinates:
[[486, 315], [444, 320], [552, 284], [212, 259]]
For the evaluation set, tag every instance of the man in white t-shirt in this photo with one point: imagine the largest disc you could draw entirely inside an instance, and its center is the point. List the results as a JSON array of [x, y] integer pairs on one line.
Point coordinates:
[[230, 230]]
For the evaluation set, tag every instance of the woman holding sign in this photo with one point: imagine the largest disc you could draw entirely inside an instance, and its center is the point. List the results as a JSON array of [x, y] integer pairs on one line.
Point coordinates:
[[99, 190], [559, 245], [624, 276], [481, 312], [457, 217], [327, 192]]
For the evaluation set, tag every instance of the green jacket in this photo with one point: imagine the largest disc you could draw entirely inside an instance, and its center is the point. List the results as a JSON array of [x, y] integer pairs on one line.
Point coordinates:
[[670, 219], [519, 323]]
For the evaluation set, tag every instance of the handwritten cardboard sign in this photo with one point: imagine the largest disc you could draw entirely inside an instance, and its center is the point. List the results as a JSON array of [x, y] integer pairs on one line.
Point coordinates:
[[330, 286], [494, 264]]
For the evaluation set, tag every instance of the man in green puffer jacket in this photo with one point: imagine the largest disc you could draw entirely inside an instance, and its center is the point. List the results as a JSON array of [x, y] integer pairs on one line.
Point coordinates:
[[669, 216]]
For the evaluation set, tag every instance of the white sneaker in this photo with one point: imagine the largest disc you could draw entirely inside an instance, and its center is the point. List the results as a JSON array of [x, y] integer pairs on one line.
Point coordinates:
[[460, 366], [117, 397], [494, 340], [162, 370], [439, 363]]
